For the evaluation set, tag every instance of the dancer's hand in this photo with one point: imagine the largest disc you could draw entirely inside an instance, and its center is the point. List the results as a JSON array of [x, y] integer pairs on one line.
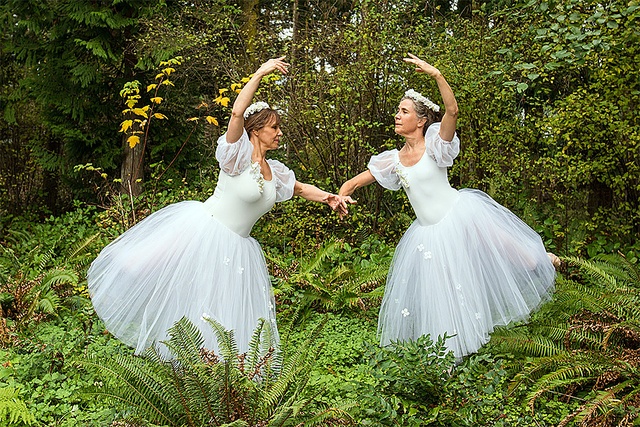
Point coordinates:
[[339, 204], [273, 65], [422, 66]]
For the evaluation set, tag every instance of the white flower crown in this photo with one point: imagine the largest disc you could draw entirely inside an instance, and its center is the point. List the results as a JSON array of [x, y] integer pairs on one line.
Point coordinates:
[[418, 97], [254, 108]]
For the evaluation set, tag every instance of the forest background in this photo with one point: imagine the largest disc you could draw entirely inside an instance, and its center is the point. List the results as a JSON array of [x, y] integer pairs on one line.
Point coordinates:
[[111, 110]]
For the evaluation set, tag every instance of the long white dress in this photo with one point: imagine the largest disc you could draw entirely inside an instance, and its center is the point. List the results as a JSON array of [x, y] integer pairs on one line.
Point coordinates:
[[465, 265], [194, 259]]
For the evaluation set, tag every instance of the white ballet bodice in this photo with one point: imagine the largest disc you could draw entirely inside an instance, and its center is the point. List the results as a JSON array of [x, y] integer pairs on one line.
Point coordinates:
[[240, 200], [426, 183], [427, 186]]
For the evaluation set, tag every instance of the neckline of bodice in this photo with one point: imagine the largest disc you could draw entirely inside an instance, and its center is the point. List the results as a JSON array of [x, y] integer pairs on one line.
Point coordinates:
[[255, 166], [413, 165]]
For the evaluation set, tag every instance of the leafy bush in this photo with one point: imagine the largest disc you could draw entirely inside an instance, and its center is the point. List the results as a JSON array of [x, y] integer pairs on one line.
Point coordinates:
[[409, 382]]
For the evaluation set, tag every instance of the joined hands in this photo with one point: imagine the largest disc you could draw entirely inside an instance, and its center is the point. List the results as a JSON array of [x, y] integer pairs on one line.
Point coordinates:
[[339, 204]]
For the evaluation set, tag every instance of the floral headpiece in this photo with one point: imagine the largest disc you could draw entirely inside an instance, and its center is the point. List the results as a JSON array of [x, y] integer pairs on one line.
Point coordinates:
[[418, 97], [254, 108]]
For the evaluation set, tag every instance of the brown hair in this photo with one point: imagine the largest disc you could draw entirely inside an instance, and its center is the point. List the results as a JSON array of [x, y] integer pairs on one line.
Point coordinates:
[[425, 112], [261, 119]]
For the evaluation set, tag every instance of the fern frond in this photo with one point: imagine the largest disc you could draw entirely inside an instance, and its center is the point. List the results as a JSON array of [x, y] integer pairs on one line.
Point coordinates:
[[47, 257], [253, 355], [518, 341], [331, 413], [137, 384], [331, 248], [604, 402], [226, 341], [83, 247], [59, 276], [185, 342], [555, 384], [13, 409]]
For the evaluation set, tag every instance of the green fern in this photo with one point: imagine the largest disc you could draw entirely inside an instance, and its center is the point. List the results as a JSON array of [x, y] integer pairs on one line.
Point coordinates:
[[13, 409], [592, 348], [312, 284], [32, 289], [196, 387]]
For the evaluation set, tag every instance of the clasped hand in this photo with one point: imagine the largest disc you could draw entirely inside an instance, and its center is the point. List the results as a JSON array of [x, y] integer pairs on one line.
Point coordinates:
[[340, 204]]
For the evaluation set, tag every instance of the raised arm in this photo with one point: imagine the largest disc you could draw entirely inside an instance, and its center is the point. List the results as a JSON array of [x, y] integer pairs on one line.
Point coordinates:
[[236, 122], [450, 117]]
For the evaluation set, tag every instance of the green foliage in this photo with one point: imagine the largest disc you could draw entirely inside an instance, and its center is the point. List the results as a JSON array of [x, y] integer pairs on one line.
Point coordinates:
[[410, 381], [198, 387], [478, 393], [336, 278], [588, 348], [14, 410], [39, 364]]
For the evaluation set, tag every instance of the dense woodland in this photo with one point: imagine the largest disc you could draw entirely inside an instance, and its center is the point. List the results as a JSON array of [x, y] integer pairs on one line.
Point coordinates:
[[111, 109]]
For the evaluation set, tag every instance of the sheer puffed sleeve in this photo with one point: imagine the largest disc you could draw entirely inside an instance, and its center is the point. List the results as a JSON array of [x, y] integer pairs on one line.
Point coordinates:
[[234, 158], [383, 168], [285, 180], [443, 152]]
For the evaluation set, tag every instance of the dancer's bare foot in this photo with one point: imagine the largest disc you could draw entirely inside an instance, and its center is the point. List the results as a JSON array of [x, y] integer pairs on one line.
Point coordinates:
[[557, 262]]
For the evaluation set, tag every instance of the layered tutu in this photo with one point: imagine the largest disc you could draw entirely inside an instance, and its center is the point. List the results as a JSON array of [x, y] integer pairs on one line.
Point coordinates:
[[479, 267], [178, 262]]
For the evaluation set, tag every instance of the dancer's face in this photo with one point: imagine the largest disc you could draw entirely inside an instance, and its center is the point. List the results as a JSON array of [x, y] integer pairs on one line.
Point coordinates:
[[406, 119], [269, 135]]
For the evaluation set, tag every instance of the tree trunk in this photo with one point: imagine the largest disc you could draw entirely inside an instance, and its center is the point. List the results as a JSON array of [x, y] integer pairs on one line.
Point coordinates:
[[131, 171]]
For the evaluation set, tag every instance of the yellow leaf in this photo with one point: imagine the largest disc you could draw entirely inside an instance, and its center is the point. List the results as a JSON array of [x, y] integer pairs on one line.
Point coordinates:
[[245, 79], [159, 116], [126, 125], [223, 90], [193, 119], [103, 175], [168, 70], [238, 91], [236, 86], [131, 102], [167, 82], [212, 120], [156, 100], [202, 105], [133, 141], [140, 112], [159, 76], [151, 87], [224, 101]]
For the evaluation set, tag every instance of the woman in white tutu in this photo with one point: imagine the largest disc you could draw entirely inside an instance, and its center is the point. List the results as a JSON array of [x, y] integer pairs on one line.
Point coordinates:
[[197, 259], [466, 264]]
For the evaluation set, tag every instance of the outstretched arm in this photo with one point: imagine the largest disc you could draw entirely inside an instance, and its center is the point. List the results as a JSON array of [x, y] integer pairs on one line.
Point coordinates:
[[450, 117], [360, 180], [236, 122], [314, 194]]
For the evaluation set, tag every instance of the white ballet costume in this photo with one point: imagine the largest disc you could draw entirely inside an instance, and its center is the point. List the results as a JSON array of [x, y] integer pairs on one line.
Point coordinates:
[[465, 265], [194, 259]]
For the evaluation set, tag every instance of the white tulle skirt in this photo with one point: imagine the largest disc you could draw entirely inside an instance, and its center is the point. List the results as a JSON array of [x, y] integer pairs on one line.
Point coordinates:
[[479, 267], [179, 262]]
